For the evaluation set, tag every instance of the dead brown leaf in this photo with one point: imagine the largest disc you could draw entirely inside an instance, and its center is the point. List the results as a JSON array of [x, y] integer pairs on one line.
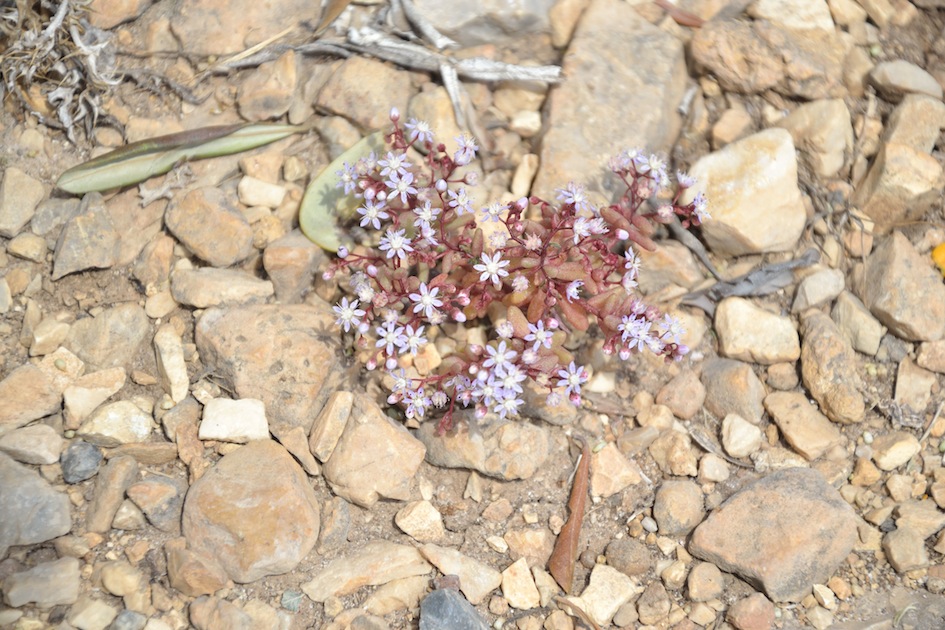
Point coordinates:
[[332, 10], [563, 558]]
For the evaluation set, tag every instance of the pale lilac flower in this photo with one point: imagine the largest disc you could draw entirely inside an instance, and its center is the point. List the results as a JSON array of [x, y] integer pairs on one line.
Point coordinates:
[[671, 327], [439, 398], [401, 184], [395, 162], [493, 212], [529, 356], [414, 339], [417, 404], [553, 399], [573, 289], [508, 406], [632, 263], [373, 213], [401, 381], [425, 213], [571, 378], [485, 389], [499, 356], [520, 283], [582, 229], [597, 225], [700, 208], [348, 177], [492, 268], [634, 331], [538, 334], [574, 194], [428, 234], [348, 314], [426, 300], [395, 244], [389, 336], [467, 150], [505, 330], [460, 201], [685, 180], [419, 131], [512, 378], [628, 282]]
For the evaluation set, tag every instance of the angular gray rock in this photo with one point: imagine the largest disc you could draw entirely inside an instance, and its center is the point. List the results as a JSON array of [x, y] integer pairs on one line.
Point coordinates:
[[782, 533], [33, 512], [286, 356], [617, 62]]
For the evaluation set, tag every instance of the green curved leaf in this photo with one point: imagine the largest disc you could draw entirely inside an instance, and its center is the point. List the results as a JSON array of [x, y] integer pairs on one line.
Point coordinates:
[[324, 201], [139, 161]]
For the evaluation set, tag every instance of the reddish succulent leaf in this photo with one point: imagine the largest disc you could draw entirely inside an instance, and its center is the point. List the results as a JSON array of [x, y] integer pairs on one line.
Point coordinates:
[[574, 313], [565, 554]]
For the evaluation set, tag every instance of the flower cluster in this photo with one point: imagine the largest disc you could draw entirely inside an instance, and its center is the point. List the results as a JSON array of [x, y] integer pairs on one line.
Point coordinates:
[[434, 257]]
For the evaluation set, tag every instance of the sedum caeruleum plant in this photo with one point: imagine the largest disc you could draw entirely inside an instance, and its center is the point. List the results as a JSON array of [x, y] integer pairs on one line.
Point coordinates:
[[556, 268]]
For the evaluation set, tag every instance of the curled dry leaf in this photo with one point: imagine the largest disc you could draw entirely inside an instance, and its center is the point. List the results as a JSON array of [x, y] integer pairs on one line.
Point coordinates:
[[564, 556]]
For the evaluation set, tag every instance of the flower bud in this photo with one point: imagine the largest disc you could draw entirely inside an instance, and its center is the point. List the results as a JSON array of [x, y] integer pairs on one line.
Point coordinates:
[[441, 185], [521, 204], [371, 271], [343, 252], [471, 179], [369, 194], [363, 328], [474, 369], [622, 234], [458, 316], [476, 350], [575, 399], [481, 412], [624, 354], [328, 275], [391, 363], [382, 195], [394, 114], [553, 323], [463, 298], [371, 364]]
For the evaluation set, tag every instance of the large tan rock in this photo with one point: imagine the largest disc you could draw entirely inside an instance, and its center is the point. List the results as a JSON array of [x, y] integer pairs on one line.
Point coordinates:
[[254, 512]]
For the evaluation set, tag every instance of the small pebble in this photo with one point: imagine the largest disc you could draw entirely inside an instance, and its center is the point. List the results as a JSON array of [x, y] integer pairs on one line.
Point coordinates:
[[649, 524], [80, 461]]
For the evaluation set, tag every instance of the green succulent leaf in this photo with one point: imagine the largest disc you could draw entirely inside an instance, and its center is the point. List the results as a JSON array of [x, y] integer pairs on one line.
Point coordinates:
[[325, 202], [142, 160]]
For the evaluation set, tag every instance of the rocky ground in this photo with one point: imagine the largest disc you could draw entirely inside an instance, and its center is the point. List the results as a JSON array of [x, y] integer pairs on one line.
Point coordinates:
[[184, 441]]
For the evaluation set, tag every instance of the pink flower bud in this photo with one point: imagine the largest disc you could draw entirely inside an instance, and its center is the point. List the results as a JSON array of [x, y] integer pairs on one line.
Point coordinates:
[[521, 204], [394, 114], [369, 194], [391, 363], [458, 316], [441, 185], [371, 271], [624, 354], [481, 412], [371, 364], [474, 369], [575, 399], [623, 234], [553, 323], [475, 349], [463, 298], [328, 275], [343, 252]]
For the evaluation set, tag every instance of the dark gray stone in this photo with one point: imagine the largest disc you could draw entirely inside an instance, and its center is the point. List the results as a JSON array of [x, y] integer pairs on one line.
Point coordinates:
[[80, 461], [446, 609]]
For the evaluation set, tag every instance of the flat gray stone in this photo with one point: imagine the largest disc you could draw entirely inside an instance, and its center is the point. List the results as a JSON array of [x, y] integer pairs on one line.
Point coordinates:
[[782, 534], [33, 512]]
